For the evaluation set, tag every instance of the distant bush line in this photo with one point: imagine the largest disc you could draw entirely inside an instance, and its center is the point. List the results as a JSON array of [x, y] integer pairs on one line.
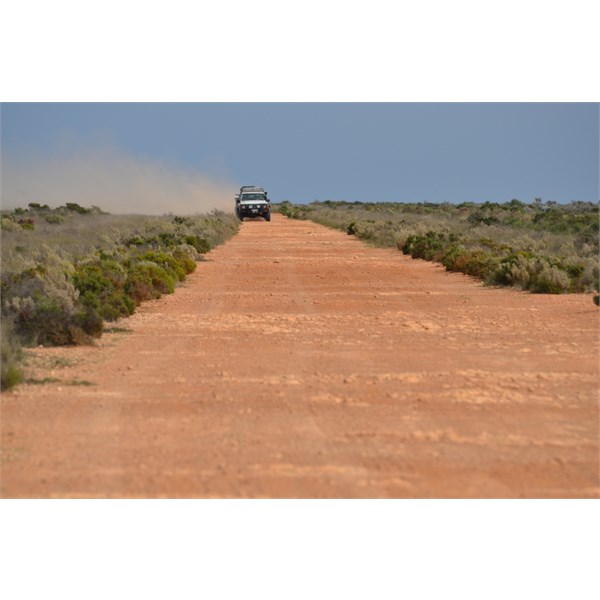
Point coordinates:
[[67, 271], [544, 248]]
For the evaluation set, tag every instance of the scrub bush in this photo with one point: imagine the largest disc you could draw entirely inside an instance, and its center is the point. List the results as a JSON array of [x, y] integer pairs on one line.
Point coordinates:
[[516, 269], [168, 262], [28, 224], [101, 289], [185, 256], [79, 267], [428, 246], [44, 320], [550, 280], [9, 224], [72, 206], [147, 280], [201, 244], [10, 354]]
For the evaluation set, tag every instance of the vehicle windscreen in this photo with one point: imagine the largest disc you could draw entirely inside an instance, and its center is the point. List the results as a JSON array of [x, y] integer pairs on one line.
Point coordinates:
[[253, 197]]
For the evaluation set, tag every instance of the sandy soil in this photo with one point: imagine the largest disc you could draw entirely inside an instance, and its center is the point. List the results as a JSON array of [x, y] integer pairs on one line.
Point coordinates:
[[298, 362]]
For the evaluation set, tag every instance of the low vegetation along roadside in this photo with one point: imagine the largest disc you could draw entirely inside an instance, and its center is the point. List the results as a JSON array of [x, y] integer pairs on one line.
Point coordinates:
[[68, 270], [545, 248]]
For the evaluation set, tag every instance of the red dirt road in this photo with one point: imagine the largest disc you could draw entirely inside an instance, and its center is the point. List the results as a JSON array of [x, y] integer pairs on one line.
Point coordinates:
[[298, 362]]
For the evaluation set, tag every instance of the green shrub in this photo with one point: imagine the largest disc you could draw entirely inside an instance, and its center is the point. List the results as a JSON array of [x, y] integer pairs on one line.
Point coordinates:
[[480, 264], [72, 206], [202, 245], [184, 258], [166, 239], [38, 207], [139, 287], [147, 280], [89, 322], [11, 373], [28, 224], [168, 262], [9, 224], [122, 306], [110, 306], [516, 269], [134, 241], [483, 217], [550, 280], [101, 287], [90, 279], [44, 320], [427, 246], [454, 255]]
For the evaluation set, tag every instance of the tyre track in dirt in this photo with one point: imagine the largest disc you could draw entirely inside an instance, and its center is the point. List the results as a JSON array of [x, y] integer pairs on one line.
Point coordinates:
[[298, 362]]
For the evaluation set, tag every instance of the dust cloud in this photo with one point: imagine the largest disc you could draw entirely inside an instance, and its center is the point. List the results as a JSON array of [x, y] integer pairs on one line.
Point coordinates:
[[115, 181]]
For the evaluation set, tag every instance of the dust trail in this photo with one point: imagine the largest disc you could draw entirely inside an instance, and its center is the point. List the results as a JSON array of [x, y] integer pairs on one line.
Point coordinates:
[[108, 177]]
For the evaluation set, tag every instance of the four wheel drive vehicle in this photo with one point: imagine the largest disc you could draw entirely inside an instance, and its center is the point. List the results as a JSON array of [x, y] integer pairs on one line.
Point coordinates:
[[252, 201]]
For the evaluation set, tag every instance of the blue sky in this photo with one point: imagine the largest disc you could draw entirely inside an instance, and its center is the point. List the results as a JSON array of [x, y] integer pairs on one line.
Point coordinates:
[[438, 152]]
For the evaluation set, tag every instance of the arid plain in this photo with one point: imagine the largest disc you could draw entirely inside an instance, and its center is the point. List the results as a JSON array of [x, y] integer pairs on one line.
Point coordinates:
[[299, 362]]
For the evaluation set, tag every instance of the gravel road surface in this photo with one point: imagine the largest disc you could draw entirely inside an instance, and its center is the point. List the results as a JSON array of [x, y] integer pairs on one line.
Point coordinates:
[[298, 362]]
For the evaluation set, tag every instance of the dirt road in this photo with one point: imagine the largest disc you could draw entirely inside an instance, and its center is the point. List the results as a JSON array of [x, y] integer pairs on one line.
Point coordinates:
[[298, 362]]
